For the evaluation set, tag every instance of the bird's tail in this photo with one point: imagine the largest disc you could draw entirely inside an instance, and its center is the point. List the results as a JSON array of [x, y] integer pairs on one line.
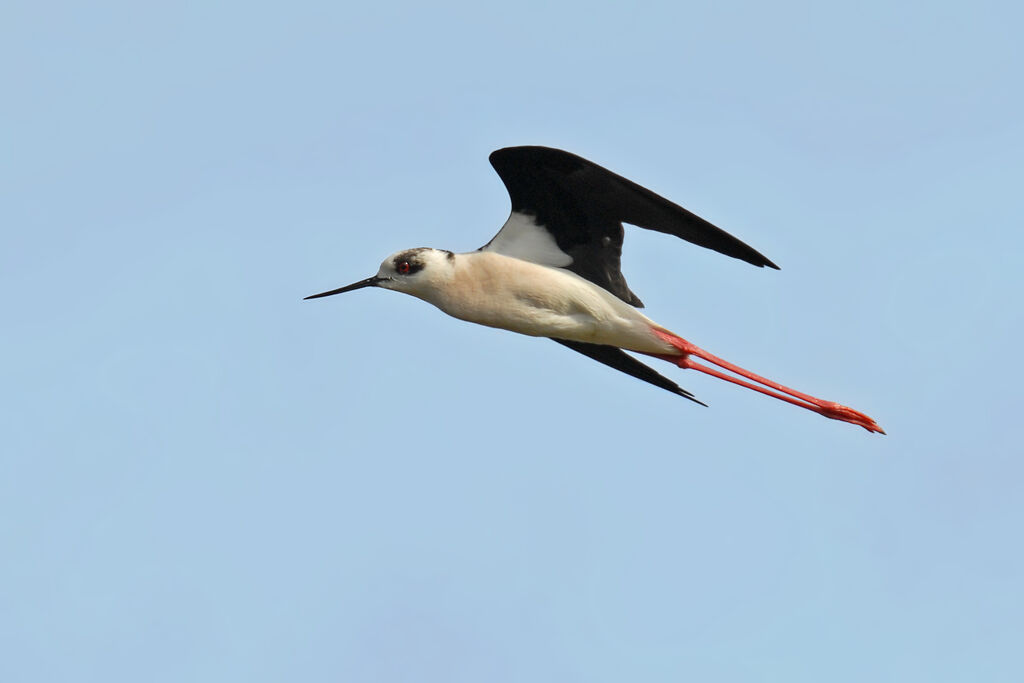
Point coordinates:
[[829, 409]]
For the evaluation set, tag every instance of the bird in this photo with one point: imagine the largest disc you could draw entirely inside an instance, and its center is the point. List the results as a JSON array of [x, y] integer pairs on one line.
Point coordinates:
[[553, 270]]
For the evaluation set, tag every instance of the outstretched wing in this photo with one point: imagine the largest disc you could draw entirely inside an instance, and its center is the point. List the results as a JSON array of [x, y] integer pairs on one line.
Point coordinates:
[[620, 360], [568, 212]]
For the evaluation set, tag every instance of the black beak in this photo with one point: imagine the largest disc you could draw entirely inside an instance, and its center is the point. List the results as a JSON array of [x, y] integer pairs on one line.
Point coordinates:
[[368, 282]]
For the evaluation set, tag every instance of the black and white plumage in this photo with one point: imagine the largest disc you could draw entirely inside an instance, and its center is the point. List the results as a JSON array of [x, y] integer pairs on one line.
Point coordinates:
[[568, 212], [553, 270], [582, 206]]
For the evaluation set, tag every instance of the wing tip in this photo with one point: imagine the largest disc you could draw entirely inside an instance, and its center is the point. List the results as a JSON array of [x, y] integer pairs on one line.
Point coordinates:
[[686, 394], [756, 258]]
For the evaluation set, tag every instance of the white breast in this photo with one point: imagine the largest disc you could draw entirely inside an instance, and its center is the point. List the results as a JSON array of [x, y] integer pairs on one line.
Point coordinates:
[[499, 291]]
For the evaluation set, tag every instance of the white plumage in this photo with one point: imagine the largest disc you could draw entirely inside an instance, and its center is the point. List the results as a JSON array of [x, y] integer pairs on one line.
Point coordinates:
[[496, 290]]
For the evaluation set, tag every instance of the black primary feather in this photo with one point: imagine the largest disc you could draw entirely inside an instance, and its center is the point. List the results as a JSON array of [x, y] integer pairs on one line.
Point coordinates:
[[583, 206], [620, 360]]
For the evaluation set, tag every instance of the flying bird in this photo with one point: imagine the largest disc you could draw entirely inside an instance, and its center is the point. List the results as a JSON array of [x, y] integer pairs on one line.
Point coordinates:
[[553, 270]]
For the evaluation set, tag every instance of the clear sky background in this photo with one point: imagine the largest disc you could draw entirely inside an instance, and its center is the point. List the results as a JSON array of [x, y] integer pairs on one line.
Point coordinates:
[[205, 478]]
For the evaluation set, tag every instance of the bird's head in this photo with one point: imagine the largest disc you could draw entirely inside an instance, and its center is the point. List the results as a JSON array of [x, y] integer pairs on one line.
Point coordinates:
[[418, 272]]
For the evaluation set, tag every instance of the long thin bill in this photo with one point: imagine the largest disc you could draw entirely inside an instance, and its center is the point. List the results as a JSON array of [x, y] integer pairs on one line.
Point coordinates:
[[368, 282]]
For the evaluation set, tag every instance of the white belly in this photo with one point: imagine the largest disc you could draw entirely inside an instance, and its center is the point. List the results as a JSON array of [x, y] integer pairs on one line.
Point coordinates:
[[500, 291]]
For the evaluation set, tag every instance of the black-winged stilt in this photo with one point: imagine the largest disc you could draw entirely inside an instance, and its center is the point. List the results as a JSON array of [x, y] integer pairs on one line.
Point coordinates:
[[553, 271]]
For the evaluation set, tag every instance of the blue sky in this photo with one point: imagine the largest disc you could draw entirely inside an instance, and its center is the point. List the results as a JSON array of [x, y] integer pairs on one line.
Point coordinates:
[[205, 478]]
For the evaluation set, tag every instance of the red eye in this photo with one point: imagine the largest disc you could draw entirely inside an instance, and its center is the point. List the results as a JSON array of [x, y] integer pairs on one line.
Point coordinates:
[[403, 268]]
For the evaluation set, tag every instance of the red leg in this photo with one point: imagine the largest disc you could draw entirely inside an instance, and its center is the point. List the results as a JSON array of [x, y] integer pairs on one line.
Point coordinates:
[[829, 409]]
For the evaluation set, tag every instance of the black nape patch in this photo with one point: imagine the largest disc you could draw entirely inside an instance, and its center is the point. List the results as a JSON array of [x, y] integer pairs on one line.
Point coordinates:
[[450, 255]]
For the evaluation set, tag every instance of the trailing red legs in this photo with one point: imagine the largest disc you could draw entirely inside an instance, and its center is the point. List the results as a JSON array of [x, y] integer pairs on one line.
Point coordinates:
[[829, 409]]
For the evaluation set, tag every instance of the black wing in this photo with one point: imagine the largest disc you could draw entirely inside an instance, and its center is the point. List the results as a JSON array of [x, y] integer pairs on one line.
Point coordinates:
[[582, 207], [620, 360]]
